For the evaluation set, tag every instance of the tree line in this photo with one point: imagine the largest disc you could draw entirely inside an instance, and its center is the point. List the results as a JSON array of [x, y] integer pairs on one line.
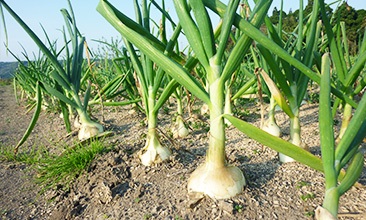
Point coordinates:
[[355, 21]]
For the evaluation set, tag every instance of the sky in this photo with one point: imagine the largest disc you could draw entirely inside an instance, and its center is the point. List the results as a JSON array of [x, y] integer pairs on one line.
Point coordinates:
[[90, 23]]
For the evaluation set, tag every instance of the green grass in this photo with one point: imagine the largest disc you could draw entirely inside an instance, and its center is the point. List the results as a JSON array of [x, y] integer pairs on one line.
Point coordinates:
[[242, 112], [302, 183], [238, 208], [5, 82], [64, 169], [307, 196], [29, 157], [3, 212], [56, 170], [310, 214]]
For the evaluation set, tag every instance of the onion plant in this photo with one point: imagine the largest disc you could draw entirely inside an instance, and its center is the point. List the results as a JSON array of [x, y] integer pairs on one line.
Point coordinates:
[[31, 71], [269, 125], [215, 177], [69, 78], [119, 81], [347, 73], [254, 33], [149, 80], [292, 82], [348, 151], [181, 129], [27, 75]]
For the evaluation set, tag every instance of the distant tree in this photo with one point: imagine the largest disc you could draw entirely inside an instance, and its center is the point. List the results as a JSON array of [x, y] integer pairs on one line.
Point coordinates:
[[355, 22], [309, 8], [290, 22], [275, 16], [361, 22]]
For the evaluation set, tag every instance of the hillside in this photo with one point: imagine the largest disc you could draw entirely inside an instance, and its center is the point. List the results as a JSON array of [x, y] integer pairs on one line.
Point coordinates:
[[7, 69]]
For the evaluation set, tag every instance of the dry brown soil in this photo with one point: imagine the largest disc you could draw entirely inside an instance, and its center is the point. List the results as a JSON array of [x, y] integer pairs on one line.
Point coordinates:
[[117, 186]]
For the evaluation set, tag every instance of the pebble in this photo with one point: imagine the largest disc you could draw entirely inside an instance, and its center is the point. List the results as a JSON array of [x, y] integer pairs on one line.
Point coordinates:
[[226, 206], [138, 191], [155, 209], [77, 197], [33, 212]]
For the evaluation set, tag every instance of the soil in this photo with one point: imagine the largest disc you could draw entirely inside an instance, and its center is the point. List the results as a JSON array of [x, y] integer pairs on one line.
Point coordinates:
[[117, 186]]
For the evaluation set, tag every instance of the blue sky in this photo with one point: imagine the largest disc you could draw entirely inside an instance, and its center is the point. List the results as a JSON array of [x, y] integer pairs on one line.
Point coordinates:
[[89, 21]]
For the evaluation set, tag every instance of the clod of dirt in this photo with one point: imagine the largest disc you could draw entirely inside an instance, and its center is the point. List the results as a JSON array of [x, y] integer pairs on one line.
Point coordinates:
[[68, 210], [102, 193], [138, 191]]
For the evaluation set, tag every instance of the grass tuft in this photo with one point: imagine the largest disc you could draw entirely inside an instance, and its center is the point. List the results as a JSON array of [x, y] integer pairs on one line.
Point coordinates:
[[29, 157], [54, 170]]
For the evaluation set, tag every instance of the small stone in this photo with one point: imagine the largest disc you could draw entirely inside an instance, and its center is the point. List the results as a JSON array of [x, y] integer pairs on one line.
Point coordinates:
[[155, 209], [226, 206], [132, 111], [275, 216], [138, 191], [77, 197], [33, 212]]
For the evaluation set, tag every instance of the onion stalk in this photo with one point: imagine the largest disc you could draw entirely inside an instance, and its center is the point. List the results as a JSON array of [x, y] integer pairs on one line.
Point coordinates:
[[347, 151], [67, 79], [153, 152], [270, 126], [150, 79], [292, 82], [353, 131], [215, 177]]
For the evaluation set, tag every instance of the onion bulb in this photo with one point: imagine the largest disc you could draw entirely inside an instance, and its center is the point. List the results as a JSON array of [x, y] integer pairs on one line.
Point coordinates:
[[322, 214], [181, 130], [217, 182], [286, 159], [153, 152], [87, 128], [271, 127]]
